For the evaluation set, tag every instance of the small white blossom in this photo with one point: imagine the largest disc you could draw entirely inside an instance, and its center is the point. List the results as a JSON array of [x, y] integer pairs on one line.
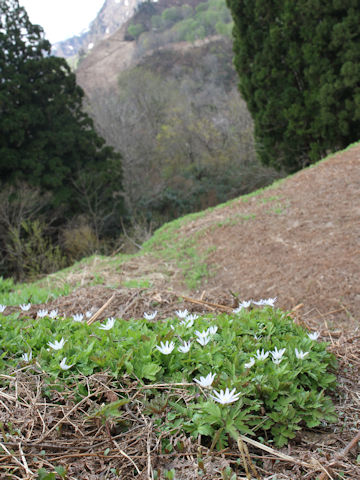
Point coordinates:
[[88, 314], [250, 363], [225, 397], [78, 317], [261, 355], [42, 313], [191, 317], [185, 348], [63, 365], [2, 308], [203, 337], [187, 323], [244, 304], [203, 340], [277, 355], [150, 316], [182, 313], [53, 314], [268, 301], [300, 354], [172, 327], [108, 325], [202, 334], [206, 381], [57, 345], [24, 307], [166, 348], [314, 335], [27, 357], [212, 330]]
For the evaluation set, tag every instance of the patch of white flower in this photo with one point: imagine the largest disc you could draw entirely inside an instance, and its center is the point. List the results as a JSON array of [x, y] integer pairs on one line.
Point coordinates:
[[150, 316], [166, 348], [207, 381], [25, 307], [57, 345]]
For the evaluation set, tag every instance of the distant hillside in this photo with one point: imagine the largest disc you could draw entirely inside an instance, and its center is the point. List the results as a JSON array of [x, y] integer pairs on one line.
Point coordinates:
[[113, 14], [155, 26], [162, 90]]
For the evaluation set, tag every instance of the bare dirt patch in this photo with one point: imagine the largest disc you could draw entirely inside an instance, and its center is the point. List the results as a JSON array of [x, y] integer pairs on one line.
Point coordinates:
[[299, 242]]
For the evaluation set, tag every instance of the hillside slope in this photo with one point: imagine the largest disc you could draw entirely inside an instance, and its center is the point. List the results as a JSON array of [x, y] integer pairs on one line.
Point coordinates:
[[298, 240]]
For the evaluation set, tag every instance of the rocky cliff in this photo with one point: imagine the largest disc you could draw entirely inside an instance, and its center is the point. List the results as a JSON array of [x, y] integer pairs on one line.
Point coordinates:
[[113, 14]]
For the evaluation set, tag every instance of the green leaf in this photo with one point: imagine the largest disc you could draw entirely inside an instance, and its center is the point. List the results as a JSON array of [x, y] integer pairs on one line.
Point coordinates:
[[150, 370]]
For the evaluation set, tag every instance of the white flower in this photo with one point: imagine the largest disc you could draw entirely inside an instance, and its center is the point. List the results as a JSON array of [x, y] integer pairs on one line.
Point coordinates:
[[314, 335], [88, 314], [150, 316], [250, 363], [212, 330], [166, 348], [225, 397], [269, 301], [182, 313], [57, 345], [300, 354], [53, 313], [277, 355], [185, 348], [244, 304], [191, 317], [261, 355], [203, 337], [78, 317], [206, 381], [27, 357], [108, 325], [172, 327], [2, 308], [187, 323], [63, 365], [203, 340], [202, 334], [42, 313], [24, 307]]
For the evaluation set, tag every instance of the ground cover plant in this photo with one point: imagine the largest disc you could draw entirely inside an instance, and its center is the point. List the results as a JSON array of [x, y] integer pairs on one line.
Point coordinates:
[[252, 372]]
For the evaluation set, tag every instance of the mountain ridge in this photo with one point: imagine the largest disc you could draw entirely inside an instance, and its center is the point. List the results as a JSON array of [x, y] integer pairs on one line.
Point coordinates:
[[112, 15]]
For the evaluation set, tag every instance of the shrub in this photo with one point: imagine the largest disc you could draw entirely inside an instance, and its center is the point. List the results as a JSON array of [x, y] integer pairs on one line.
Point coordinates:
[[280, 374]]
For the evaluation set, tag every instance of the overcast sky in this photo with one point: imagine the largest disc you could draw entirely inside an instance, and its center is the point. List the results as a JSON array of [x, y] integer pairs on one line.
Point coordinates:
[[62, 19]]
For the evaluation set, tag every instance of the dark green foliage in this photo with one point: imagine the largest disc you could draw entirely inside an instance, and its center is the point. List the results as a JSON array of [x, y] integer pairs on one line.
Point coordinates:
[[299, 68], [45, 137]]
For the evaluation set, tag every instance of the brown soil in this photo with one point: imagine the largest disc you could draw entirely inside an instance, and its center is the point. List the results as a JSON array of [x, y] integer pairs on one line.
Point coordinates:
[[299, 241]]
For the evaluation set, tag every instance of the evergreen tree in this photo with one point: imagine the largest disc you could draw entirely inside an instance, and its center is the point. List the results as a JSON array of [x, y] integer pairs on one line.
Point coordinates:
[[299, 70], [46, 138]]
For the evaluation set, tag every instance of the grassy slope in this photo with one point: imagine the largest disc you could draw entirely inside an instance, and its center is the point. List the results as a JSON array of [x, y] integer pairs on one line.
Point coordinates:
[[167, 244]]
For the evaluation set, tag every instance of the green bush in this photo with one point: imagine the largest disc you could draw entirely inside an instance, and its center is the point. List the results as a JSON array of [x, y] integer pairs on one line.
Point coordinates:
[[135, 30], [6, 285], [273, 399]]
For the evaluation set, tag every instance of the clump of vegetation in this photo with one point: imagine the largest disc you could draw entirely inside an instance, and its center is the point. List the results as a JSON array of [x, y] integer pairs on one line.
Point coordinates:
[[298, 64], [253, 372], [54, 166]]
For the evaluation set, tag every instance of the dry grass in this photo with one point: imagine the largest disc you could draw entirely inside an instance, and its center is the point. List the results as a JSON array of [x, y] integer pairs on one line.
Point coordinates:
[[42, 427]]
